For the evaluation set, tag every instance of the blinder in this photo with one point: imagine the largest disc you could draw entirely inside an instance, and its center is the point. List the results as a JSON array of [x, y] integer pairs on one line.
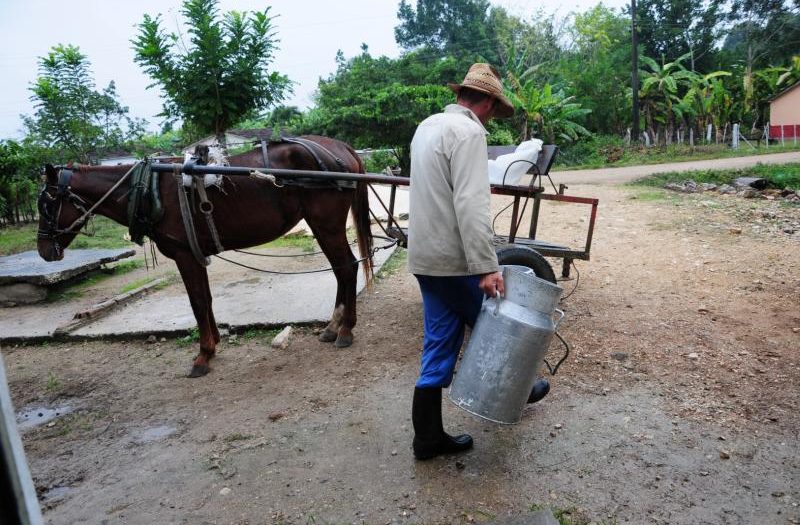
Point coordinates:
[[50, 205]]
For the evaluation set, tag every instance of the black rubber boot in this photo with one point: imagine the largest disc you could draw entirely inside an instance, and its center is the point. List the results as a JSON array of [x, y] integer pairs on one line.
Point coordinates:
[[540, 389], [430, 439]]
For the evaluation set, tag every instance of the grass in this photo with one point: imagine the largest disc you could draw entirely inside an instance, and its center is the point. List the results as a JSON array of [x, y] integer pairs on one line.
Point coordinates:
[[779, 176], [53, 384], [605, 152], [191, 338], [138, 283], [107, 234], [18, 238], [255, 335], [393, 264], [301, 241], [650, 195]]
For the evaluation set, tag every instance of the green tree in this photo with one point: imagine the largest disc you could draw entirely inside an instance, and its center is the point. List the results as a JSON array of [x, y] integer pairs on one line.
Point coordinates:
[[537, 40], [19, 173], [763, 33], [71, 118], [597, 68], [457, 28], [673, 28], [221, 75], [378, 102]]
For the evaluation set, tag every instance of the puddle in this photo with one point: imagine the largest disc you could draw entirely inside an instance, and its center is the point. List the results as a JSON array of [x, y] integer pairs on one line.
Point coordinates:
[[55, 495], [156, 433], [37, 416]]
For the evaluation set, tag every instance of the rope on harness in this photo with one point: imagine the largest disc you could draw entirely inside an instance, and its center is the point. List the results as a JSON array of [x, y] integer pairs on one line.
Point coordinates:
[[353, 243], [392, 242], [258, 175]]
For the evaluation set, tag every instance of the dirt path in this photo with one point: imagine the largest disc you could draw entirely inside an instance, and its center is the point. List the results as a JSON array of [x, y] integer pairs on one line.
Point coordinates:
[[630, 173], [678, 405]]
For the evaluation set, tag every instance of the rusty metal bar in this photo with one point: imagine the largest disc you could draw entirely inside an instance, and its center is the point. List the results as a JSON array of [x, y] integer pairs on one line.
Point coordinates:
[[537, 202], [514, 223]]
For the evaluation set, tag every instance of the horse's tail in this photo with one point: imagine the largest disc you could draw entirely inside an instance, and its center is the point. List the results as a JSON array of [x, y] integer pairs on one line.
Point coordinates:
[[360, 207]]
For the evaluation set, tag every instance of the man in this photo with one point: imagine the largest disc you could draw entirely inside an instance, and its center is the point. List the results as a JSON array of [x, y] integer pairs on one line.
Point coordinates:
[[450, 249]]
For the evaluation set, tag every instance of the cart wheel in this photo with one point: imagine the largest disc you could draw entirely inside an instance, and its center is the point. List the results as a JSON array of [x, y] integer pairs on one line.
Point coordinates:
[[524, 256]]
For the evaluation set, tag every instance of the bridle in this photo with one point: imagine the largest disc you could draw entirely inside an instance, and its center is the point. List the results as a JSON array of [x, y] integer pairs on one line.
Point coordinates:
[[50, 207]]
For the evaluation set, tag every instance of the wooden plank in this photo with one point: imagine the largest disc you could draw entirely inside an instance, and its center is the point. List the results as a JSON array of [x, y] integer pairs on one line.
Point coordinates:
[[101, 309]]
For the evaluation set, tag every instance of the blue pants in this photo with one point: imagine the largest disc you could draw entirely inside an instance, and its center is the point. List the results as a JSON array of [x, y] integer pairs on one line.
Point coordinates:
[[449, 304]]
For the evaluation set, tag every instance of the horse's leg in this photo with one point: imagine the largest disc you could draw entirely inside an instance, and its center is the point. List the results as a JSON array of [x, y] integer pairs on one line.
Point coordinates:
[[331, 331], [330, 229], [195, 279]]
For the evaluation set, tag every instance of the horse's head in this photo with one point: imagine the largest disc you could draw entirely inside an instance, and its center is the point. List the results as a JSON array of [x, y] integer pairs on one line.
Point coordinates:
[[59, 208]]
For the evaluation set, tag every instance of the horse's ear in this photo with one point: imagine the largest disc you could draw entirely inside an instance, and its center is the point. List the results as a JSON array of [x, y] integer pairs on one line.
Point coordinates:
[[50, 174]]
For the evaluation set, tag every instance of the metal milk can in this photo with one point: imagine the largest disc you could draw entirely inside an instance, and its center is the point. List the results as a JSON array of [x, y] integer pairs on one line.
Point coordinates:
[[507, 347]]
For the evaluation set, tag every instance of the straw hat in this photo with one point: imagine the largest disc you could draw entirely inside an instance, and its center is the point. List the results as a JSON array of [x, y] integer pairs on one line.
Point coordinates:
[[484, 78]]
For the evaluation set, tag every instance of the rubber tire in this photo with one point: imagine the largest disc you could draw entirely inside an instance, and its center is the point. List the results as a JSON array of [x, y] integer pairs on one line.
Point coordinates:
[[524, 256]]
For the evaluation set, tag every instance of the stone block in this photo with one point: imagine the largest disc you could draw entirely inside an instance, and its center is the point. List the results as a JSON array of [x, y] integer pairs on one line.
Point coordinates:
[[21, 293]]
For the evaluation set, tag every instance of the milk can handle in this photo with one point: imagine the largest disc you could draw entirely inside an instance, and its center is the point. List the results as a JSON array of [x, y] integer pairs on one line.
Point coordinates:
[[558, 322], [497, 298]]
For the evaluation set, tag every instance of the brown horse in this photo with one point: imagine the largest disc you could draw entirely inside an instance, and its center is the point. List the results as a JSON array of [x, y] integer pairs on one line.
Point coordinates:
[[251, 212]]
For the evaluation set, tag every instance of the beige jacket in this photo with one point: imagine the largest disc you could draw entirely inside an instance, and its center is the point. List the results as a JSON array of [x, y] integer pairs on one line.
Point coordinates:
[[449, 227]]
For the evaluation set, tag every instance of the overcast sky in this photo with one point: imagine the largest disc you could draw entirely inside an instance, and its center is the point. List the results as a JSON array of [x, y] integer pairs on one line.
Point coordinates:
[[310, 33]]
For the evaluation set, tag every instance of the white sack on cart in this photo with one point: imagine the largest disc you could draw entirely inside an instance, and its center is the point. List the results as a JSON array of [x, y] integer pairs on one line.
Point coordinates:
[[504, 165]]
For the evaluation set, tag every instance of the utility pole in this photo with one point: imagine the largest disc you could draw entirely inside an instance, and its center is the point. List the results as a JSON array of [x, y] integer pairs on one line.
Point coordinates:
[[634, 76]]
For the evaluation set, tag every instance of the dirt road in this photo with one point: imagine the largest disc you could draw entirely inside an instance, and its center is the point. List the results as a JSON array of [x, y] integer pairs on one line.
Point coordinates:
[[678, 405], [630, 173]]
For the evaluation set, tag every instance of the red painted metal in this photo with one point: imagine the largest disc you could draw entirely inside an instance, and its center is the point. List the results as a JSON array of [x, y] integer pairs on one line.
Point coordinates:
[[790, 131]]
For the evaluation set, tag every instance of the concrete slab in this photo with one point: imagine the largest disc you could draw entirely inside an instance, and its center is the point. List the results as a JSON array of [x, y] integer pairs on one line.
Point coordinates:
[[28, 267], [242, 299], [254, 299]]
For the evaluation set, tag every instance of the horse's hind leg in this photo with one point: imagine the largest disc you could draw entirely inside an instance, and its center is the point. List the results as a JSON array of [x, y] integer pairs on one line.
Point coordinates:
[[195, 279]]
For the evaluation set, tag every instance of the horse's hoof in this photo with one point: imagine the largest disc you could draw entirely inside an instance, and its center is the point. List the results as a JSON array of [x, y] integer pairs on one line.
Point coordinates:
[[344, 341], [328, 336], [199, 371]]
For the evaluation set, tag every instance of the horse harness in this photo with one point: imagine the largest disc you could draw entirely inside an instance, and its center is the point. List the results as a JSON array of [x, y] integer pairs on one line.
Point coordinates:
[[145, 206], [317, 151]]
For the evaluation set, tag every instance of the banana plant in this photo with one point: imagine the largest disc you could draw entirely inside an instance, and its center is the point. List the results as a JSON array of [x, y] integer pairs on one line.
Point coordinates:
[[790, 74], [709, 99], [658, 94], [546, 113]]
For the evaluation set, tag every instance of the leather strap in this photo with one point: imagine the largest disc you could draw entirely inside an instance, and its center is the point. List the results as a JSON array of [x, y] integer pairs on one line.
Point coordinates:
[[313, 148], [188, 222], [208, 209]]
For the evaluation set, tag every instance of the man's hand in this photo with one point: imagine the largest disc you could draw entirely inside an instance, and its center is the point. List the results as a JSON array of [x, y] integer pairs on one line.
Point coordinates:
[[492, 283]]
